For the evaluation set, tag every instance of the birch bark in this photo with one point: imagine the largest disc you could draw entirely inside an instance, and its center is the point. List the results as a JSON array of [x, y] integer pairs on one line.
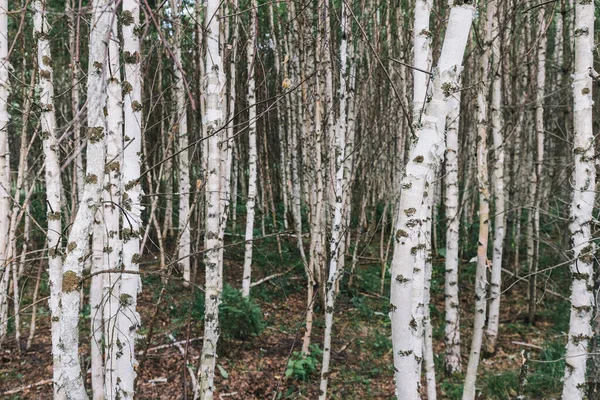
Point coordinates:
[[112, 205], [128, 318], [71, 379], [537, 175], [421, 56], [452, 303], [338, 224], [582, 206], [4, 168], [484, 206], [183, 165], [424, 159], [212, 124], [52, 174], [498, 184], [252, 151]]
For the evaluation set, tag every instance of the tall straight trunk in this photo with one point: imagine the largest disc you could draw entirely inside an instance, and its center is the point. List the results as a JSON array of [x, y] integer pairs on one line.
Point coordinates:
[[452, 304], [283, 164], [4, 169], [128, 318], [537, 175], [582, 206], [422, 60], [213, 257], [421, 56], [424, 159], [113, 337], [74, 49], [484, 205], [183, 166], [296, 127], [252, 150], [71, 379], [17, 208], [52, 176], [339, 223], [231, 113], [498, 184]]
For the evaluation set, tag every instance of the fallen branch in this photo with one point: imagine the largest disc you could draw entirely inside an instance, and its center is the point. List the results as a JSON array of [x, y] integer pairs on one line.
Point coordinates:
[[195, 386], [164, 346], [533, 346], [268, 278], [27, 387]]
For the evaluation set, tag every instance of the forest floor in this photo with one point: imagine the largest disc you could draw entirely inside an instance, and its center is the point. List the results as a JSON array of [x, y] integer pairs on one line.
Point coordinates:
[[254, 366]]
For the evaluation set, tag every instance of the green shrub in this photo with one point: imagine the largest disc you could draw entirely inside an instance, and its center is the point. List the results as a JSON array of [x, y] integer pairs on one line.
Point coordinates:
[[301, 366], [501, 386], [240, 318]]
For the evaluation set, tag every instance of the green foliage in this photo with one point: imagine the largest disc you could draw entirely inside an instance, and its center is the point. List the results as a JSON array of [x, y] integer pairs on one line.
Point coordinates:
[[381, 344], [548, 371], [241, 318], [300, 366], [544, 379], [451, 390], [501, 386], [558, 312]]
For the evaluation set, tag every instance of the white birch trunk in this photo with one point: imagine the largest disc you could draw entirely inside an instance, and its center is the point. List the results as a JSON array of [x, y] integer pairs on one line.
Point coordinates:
[[452, 303], [183, 166], [232, 175], [338, 224], [212, 123], [498, 183], [424, 159], [52, 175], [71, 379], [481, 282], [582, 205], [537, 175], [4, 168], [128, 317], [112, 201], [421, 56], [74, 20], [252, 151]]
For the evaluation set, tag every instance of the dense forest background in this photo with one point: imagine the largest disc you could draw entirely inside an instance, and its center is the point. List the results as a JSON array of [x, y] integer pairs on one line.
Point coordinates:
[[299, 199]]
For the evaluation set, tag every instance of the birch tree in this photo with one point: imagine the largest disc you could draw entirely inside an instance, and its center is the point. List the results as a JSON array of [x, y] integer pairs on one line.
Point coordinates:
[[71, 379], [582, 206], [184, 247], [4, 168], [421, 56], [252, 151], [452, 303], [424, 159], [484, 206], [112, 211], [213, 258], [536, 183], [338, 224], [498, 184], [128, 317], [41, 30]]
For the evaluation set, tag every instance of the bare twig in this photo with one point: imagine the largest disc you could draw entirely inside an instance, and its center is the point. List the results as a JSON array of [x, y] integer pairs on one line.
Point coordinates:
[[27, 387]]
